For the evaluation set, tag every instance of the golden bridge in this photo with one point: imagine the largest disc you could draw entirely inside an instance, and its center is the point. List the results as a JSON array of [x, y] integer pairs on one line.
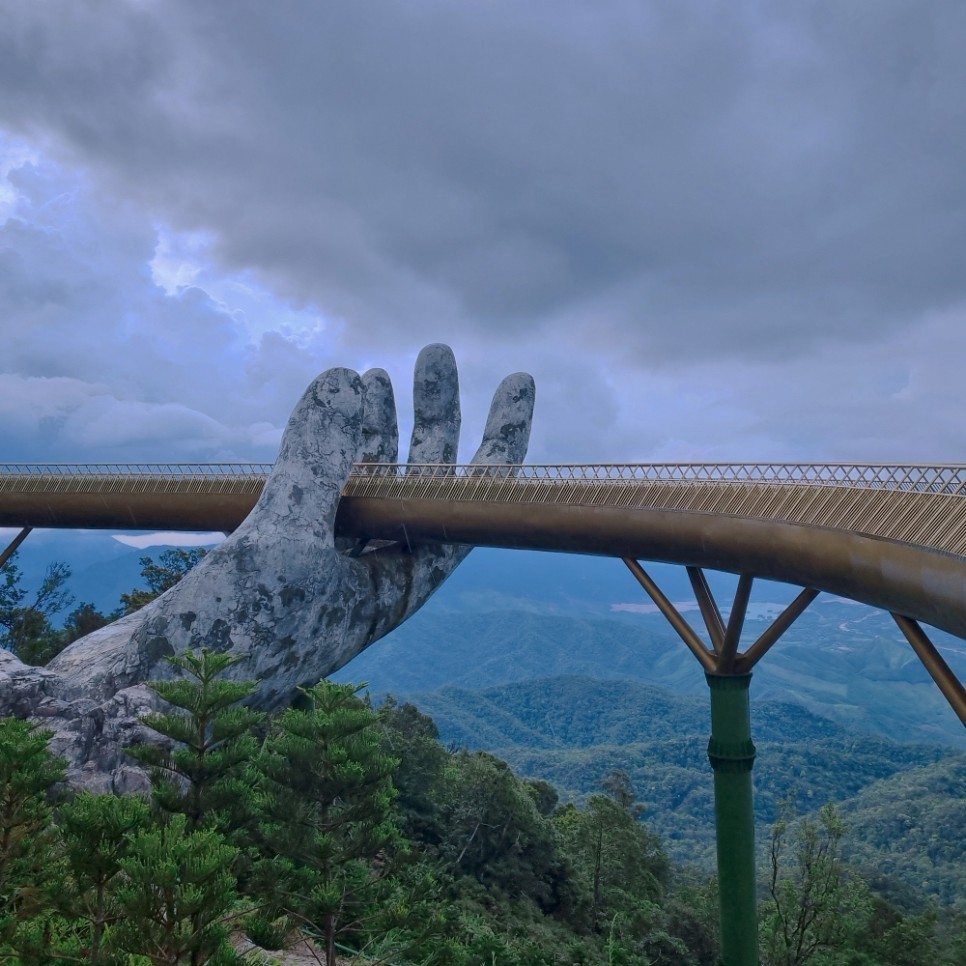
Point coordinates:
[[889, 535]]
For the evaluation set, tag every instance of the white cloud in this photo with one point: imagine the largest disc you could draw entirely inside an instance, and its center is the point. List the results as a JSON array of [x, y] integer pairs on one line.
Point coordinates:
[[101, 361], [167, 538], [178, 259]]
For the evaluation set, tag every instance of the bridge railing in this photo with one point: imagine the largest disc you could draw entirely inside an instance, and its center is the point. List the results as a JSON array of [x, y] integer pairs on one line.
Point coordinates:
[[174, 470], [938, 478], [914, 504], [921, 505], [132, 477]]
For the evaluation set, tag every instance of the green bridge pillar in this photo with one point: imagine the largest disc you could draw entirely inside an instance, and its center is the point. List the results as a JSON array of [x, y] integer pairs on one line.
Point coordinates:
[[732, 756]]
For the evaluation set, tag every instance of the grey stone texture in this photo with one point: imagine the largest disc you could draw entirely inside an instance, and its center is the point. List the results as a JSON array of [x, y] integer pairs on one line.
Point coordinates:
[[280, 591]]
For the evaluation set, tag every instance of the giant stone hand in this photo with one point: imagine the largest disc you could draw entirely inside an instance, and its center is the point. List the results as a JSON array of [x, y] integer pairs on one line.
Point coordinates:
[[280, 592]]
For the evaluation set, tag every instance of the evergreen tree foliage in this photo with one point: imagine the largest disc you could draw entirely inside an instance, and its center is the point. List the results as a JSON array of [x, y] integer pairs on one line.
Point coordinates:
[[496, 872], [200, 776], [622, 862], [901, 940], [176, 890], [30, 870], [412, 738], [27, 628], [618, 785], [814, 905], [495, 832], [326, 798], [96, 832], [692, 914], [619, 864], [84, 619]]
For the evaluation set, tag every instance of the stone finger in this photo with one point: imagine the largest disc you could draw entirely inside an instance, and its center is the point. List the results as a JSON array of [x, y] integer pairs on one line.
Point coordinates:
[[380, 432], [436, 407], [507, 432]]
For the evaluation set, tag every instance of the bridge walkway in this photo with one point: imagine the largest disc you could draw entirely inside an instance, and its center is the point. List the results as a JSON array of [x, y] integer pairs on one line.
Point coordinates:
[[889, 535]]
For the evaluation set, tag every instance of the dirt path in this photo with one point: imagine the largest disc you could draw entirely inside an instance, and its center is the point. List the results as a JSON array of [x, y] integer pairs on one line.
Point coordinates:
[[301, 953]]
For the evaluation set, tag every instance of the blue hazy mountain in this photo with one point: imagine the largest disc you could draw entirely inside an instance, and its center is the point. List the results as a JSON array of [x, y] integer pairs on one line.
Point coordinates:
[[507, 616], [572, 582]]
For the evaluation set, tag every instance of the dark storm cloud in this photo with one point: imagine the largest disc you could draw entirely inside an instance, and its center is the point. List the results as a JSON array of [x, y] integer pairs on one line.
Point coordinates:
[[687, 179], [99, 363], [710, 230]]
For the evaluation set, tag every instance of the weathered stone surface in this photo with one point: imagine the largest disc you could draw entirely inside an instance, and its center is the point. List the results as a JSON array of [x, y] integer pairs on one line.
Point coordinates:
[[280, 591]]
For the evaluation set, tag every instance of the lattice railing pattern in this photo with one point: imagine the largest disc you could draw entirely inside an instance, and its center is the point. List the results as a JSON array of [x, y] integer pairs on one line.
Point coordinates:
[[921, 505], [133, 477], [917, 504], [945, 478], [930, 478]]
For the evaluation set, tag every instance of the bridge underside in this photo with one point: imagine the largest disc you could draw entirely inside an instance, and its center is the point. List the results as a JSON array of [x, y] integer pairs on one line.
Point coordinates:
[[913, 580], [917, 582], [178, 507]]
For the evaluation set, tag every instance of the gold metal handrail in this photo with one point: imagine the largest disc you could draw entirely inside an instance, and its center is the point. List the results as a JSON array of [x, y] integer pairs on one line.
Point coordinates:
[[921, 505], [133, 477], [947, 478], [918, 504]]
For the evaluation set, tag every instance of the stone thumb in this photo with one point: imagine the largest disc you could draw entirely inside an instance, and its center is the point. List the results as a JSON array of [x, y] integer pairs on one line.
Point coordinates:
[[319, 446]]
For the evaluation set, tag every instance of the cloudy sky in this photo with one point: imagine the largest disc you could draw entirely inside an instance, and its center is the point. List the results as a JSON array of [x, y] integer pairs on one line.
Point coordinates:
[[711, 230]]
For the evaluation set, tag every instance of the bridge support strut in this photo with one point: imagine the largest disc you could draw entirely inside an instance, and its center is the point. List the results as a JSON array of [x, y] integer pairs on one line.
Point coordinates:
[[14, 544], [732, 756], [730, 749], [927, 652]]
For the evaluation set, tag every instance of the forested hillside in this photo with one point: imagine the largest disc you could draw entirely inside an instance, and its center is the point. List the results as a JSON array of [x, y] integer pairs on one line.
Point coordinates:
[[912, 827], [361, 829], [843, 661], [905, 803]]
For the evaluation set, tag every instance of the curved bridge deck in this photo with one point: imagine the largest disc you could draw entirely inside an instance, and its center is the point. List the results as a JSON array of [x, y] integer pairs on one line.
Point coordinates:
[[889, 535], [923, 506], [892, 535]]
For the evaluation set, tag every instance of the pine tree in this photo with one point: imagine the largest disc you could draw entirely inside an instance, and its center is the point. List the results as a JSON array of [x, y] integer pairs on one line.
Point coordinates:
[[30, 872], [326, 797], [200, 776], [176, 891], [96, 832]]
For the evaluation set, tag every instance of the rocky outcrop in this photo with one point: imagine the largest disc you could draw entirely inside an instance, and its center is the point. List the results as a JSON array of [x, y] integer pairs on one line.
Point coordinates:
[[280, 592]]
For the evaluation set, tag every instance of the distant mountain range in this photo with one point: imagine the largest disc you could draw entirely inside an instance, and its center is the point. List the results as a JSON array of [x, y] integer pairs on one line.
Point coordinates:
[[905, 804], [506, 617], [102, 567]]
